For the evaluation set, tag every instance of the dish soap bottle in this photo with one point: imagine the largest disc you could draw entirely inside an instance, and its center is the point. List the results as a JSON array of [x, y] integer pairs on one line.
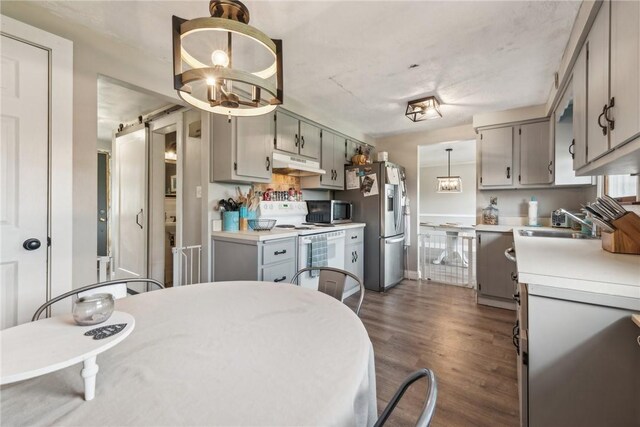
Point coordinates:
[[533, 212], [490, 213]]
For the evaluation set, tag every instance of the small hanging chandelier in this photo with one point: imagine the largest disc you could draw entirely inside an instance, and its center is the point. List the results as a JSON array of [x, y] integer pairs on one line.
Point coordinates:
[[208, 76], [449, 184], [423, 109]]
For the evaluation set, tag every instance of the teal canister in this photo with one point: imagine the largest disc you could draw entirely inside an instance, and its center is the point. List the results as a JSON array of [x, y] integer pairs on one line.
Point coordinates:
[[231, 221]]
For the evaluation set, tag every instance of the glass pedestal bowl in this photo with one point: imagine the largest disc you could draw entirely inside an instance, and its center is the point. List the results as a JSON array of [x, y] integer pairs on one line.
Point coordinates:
[[93, 309]]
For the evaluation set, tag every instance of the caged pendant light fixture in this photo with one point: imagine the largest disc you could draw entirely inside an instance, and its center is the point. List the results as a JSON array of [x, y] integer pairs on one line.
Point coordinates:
[[423, 109], [223, 65], [449, 184]]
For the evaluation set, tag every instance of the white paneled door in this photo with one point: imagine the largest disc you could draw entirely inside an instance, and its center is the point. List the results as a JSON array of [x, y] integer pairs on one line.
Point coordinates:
[[130, 203], [24, 175]]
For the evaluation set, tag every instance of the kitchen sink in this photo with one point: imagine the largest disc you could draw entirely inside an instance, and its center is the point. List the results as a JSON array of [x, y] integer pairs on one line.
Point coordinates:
[[553, 233]]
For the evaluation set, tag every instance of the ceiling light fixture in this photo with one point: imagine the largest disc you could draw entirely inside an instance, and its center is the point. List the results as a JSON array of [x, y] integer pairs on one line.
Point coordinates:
[[206, 74], [423, 109], [449, 184]]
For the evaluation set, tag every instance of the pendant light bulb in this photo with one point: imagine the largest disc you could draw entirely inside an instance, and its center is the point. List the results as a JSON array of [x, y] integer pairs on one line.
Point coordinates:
[[220, 58], [211, 81]]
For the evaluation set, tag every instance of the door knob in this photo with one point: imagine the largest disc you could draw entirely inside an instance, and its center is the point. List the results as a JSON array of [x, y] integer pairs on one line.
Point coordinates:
[[31, 244]]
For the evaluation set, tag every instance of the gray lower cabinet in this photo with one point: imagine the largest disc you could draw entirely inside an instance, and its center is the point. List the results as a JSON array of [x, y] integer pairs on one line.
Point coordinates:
[[354, 256], [495, 274], [583, 363], [269, 261]]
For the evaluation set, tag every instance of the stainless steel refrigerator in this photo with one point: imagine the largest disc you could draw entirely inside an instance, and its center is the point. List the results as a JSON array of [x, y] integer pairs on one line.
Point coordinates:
[[378, 194]]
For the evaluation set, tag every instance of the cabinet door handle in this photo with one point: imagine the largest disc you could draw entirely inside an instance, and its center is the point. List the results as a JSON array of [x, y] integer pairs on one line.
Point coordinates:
[[514, 277], [508, 171], [603, 127], [549, 167], [268, 163], [356, 255], [280, 279], [572, 152], [302, 143], [354, 237], [606, 114], [297, 140], [138, 218], [353, 257], [282, 252]]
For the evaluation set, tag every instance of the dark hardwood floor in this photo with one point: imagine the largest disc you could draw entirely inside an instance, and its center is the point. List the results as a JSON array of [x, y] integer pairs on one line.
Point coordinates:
[[468, 346]]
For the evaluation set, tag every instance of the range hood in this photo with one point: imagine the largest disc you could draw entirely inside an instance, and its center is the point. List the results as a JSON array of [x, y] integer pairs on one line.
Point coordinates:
[[289, 165]]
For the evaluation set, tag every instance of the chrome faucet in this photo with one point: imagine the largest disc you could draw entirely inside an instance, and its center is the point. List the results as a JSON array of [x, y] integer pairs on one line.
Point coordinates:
[[590, 226]]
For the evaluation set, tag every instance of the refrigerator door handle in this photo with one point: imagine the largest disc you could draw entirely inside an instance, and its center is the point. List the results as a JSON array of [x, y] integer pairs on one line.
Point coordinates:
[[396, 240]]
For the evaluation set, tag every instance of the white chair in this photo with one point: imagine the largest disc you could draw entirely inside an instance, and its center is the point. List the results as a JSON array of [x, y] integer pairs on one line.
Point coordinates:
[[117, 288], [429, 407], [331, 282]]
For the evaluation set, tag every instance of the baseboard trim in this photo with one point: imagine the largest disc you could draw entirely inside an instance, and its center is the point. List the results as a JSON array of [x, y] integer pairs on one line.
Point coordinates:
[[411, 275], [508, 305]]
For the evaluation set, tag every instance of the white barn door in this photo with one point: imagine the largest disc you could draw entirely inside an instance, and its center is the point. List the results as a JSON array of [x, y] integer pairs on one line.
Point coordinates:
[[24, 180], [129, 203]]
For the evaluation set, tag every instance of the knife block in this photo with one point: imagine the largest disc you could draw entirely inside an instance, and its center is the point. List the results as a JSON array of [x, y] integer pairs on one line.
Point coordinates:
[[626, 239], [629, 224]]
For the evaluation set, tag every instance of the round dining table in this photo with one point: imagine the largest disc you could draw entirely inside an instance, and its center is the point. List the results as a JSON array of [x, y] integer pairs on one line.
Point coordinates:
[[223, 353]]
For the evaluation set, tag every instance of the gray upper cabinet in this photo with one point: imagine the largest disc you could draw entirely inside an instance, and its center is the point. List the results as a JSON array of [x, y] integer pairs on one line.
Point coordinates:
[[624, 71], [606, 84], [598, 84], [332, 161], [287, 133], [579, 86], [241, 148], [253, 148], [496, 157], [310, 140], [296, 136], [536, 154], [566, 137]]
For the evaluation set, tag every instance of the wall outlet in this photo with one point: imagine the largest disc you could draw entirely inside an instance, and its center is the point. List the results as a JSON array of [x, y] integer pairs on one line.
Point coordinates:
[[198, 192]]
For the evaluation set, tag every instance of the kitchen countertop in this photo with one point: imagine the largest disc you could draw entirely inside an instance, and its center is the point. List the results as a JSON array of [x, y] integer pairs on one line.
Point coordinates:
[[496, 228], [280, 233], [555, 265], [636, 319]]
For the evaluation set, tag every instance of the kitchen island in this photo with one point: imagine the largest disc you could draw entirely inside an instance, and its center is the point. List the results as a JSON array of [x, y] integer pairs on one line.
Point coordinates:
[[579, 362]]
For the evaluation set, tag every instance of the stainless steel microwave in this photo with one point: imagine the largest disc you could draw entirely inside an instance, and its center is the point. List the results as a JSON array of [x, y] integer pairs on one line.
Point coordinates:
[[329, 211]]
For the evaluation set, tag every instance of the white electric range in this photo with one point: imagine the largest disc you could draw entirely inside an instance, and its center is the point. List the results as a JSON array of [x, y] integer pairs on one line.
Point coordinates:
[[292, 215]]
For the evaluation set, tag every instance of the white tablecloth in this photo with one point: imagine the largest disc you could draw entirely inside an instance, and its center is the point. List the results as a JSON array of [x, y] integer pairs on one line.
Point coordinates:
[[235, 353]]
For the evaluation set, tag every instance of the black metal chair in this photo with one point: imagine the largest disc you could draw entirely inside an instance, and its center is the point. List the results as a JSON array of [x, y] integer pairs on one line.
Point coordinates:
[[429, 407], [84, 289], [331, 282]]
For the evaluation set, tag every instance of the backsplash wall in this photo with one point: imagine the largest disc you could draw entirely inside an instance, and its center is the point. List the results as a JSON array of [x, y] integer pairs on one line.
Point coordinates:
[[514, 203]]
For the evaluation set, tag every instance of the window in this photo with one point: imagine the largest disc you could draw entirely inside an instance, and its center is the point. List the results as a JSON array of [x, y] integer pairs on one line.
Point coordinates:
[[622, 187]]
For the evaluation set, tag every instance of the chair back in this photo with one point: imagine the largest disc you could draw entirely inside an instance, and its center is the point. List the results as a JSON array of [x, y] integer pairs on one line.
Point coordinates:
[[119, 290], [114, 287], [331, 281]]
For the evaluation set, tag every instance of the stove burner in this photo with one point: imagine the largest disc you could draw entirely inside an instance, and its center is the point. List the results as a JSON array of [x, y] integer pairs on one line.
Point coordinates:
[[286, 226], [318, 224], [304, 228]]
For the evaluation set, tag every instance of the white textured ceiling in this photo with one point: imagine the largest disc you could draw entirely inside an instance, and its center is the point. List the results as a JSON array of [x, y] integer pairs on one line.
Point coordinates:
[[352, 58], [464, 152], [119, 104]]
